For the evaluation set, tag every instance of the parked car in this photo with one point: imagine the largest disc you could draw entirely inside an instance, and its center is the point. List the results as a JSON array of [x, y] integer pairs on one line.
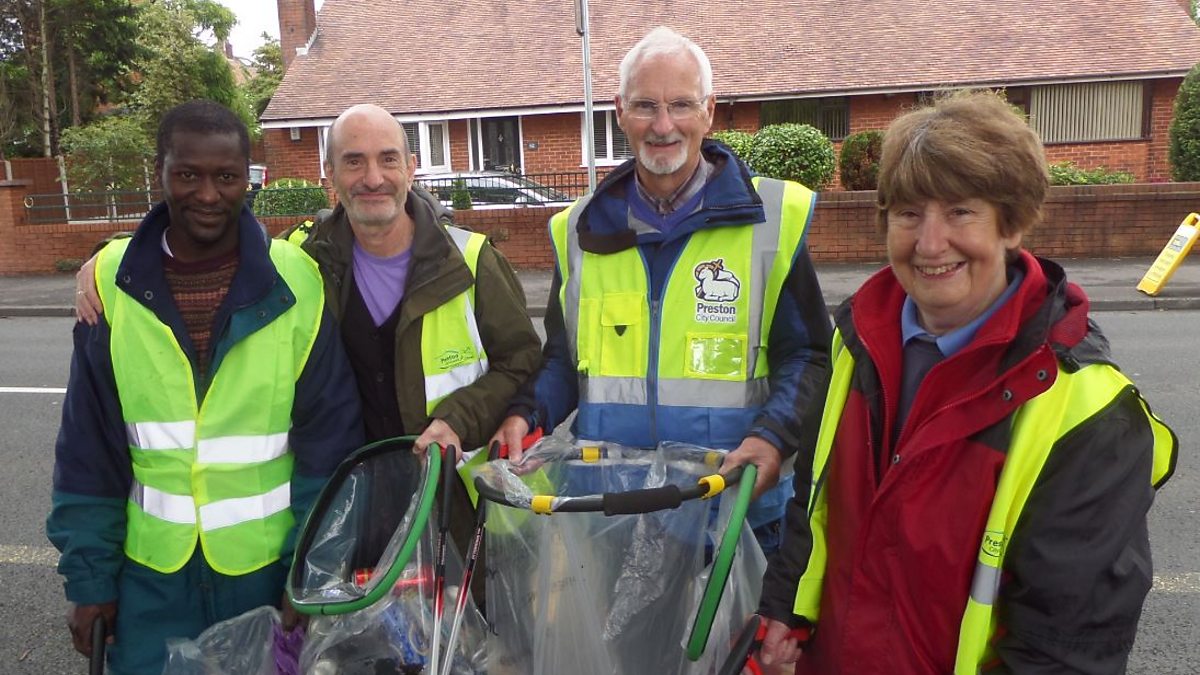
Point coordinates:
[[493, 189]]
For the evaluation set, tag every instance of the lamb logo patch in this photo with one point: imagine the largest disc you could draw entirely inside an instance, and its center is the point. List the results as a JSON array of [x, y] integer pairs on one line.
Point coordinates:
[[716, 285]]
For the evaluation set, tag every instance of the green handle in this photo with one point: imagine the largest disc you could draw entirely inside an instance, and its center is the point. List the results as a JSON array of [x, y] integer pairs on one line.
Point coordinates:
[[715, 588]]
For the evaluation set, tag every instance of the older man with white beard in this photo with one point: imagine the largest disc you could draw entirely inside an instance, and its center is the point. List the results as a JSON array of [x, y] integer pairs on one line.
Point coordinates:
[[684, 306]]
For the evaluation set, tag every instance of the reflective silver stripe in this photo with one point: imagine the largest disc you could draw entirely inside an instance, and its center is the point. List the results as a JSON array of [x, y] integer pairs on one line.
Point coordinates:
[[241, 449], [161, 435], [442, 385], [572, 276], [713, 393], [631, 390], [764, 247], [985, 585], [460, 238], [237, 510], [163, 505]]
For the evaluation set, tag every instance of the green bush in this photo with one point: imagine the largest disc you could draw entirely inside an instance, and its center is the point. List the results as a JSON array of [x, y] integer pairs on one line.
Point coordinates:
[[858, 165], [1184, 151], [460, 196], [796, 152], [290, 197], [1067, 173], [111, 153], [738, 141]]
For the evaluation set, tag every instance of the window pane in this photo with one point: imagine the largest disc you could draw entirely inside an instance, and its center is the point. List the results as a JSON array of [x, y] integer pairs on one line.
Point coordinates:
[[414, 140], [620, 143], [1091, 111], [476, 145], [600, 133], [437, 145], [830, 115]]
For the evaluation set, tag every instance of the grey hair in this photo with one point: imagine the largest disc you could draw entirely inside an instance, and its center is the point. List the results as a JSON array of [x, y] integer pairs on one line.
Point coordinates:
[[663, 41]]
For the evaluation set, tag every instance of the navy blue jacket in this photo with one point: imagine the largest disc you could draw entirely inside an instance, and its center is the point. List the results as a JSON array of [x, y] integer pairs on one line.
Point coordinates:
[[92, 471]]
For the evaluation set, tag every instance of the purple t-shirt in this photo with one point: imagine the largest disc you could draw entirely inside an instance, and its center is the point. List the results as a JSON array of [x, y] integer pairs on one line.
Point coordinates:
[[380, 281]]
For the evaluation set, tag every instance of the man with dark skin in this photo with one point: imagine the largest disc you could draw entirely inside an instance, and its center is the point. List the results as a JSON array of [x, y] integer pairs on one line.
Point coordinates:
[[203, 413]]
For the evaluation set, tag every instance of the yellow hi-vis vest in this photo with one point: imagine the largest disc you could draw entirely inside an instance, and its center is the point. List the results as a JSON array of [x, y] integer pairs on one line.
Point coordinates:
[[217, 470], [700, 351], [452, 353], [1072, 400]]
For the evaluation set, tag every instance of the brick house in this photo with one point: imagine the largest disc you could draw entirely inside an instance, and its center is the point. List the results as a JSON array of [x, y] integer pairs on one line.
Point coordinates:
[[481, 84]]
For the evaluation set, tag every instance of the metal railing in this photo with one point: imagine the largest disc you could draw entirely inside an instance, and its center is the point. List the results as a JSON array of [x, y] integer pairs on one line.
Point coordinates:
[[491, 188], [70, 207]]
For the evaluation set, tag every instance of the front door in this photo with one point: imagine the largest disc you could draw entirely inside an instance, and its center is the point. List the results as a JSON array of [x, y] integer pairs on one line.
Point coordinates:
[[500, 144]]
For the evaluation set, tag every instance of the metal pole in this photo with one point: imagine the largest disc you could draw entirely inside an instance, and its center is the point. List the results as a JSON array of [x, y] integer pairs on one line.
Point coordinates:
[[589, 142]]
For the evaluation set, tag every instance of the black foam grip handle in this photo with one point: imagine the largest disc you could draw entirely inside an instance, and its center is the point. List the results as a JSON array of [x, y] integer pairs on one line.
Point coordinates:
[[99, 630], [449, 475], [642, 501], [739, 653]]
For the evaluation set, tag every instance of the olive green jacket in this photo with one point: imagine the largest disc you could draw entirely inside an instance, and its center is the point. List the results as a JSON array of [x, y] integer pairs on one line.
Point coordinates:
[[436, 274]]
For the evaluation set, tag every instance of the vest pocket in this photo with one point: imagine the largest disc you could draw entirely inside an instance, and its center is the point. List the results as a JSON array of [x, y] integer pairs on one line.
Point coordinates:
[[624, 338], [715, 356]]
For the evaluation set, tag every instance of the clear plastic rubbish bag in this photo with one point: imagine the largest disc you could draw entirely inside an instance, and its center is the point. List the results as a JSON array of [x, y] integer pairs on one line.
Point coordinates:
[[242, 645], [393, 634], [585, 593]]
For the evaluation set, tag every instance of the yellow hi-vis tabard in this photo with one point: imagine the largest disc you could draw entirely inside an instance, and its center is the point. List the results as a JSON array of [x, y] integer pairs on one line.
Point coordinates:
[[452, 353], [711, 324], [1073, 399], [219, 469]]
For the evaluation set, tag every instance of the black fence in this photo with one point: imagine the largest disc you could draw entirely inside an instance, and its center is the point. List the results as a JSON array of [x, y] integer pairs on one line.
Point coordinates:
[[482, 189], [89, 206], [512, 189]]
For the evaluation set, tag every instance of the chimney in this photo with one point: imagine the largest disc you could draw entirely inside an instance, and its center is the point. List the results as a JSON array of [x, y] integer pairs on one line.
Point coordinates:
[[297, 21]]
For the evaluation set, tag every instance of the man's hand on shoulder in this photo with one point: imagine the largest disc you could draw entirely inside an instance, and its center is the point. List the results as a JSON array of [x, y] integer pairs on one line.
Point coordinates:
[[761, 453], [439, 432], [87, 298], [80, 619]]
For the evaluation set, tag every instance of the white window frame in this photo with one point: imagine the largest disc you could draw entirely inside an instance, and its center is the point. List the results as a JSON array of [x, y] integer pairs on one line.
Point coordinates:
[[604, 156], [424, 163], [423, 158]]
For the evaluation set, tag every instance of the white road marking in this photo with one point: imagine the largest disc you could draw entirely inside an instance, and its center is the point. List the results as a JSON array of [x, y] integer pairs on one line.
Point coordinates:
[[1187, 582], [33, 390]]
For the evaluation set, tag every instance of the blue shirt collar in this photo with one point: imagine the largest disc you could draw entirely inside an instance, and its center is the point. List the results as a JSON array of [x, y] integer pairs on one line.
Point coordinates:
[[952, 342]]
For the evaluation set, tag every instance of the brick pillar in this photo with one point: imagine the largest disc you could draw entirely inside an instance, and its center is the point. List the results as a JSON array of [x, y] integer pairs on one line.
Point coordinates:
[[12, 212], [297, 21]]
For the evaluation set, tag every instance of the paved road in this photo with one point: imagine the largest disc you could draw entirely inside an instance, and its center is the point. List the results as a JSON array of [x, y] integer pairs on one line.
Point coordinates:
[[1156, 348]]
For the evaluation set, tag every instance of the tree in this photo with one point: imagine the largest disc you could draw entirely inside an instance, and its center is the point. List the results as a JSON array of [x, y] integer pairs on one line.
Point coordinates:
[[177, 66], [62, 60], [1184, 150], [268, 73], [112, 153]]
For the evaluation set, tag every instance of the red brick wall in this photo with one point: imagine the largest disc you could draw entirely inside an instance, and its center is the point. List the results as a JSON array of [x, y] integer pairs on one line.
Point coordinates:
[[559, 142], [41, 171], [459, 150], [1096, 221], [520, 234], [297, 19], [1161, 113], [877, 111], [292, 159]]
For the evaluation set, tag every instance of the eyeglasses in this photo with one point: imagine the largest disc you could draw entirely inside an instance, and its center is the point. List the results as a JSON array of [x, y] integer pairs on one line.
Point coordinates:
[[679, 109]]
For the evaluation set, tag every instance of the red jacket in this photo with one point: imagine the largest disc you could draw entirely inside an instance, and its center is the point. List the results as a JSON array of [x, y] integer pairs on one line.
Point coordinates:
[[902, 548]]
